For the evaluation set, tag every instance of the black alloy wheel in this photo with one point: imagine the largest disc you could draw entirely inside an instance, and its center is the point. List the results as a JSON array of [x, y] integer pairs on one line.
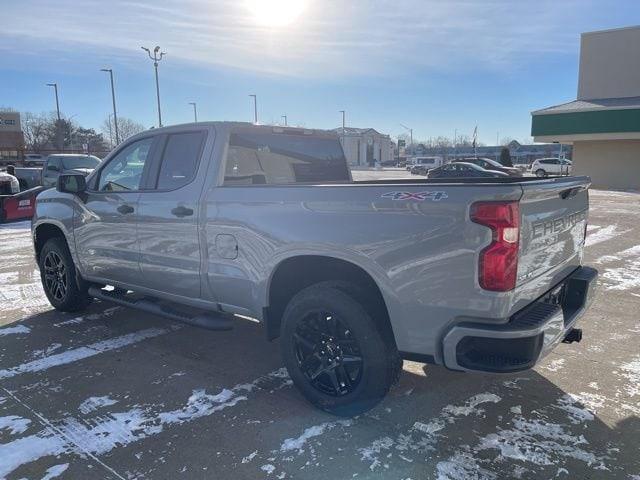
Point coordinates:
[[56, 278], [328, 354]]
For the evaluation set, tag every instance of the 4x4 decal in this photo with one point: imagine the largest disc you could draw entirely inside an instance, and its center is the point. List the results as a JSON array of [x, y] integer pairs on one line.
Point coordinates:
[[419, 196]]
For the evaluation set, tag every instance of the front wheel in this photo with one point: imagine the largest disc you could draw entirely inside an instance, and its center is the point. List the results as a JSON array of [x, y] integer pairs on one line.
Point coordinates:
[[540, 173], [62, 284], [335, 352]]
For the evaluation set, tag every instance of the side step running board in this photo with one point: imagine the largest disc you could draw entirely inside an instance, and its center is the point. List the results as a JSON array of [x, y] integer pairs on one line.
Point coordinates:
[[203, 320]]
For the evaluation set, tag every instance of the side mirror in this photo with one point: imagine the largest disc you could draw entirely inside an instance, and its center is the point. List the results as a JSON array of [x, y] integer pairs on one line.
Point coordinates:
[[73, 183]]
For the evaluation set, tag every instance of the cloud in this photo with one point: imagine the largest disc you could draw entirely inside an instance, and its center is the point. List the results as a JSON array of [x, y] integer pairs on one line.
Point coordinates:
[[332, 38]]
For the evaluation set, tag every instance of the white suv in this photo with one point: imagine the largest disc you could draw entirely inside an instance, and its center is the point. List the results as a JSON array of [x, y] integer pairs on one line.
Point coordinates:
[[551, 166]]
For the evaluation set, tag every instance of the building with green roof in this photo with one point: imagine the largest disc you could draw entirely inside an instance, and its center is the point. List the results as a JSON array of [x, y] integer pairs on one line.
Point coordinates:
[[603, 123]]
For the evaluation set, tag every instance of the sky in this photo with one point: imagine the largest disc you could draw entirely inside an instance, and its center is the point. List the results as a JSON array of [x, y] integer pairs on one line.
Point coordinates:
[[435, 66]]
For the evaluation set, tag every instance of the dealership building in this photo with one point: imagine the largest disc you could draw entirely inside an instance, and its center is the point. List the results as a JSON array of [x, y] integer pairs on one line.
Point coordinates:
[[603, 123], [365, 147], [11, 137]]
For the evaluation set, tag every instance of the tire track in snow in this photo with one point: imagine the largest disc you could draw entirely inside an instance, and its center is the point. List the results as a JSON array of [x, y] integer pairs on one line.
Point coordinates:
[[99, 436]]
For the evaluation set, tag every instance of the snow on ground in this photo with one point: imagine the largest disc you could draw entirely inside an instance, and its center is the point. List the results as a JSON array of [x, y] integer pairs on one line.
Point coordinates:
[[74, 436], [94, 403]]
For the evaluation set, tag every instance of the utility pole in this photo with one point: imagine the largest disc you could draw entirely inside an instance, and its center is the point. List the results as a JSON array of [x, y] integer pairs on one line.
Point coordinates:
[[157, 56], [195, 111], [255, 108], [285, 120], [59, 133], [113, 100]]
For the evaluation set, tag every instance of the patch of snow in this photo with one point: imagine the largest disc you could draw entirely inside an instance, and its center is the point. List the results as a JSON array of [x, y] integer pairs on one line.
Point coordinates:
[[75, 436], [55, 471], [93, 403], [14, 424], [602, 235], [577, 413], [268, 468], [462, 466], [298, 443], [71, 321], [82, 352], [370, 453], [516, 409], [555, 365], [631, 371], [18, 329], [623, 278], [249, 457], [471, 404], [46, 351]]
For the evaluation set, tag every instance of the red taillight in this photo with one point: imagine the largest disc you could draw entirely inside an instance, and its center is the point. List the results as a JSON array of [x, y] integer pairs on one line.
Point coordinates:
[[498, 264]]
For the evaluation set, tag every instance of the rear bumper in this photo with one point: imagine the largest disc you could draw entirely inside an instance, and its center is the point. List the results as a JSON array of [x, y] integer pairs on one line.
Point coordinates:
[[529, 335]]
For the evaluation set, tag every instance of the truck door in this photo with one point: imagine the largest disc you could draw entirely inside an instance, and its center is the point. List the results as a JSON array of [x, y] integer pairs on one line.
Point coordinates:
[[106, 230], [169, 210]]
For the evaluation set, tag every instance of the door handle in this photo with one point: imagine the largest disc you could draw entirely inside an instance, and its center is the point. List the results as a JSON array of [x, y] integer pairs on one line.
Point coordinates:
[[125, 209], [182, 211]]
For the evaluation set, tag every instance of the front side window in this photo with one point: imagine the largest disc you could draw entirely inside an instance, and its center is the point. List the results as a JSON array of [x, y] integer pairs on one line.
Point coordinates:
[[124, 172], [180, 160], [53, 165], [278, 158]]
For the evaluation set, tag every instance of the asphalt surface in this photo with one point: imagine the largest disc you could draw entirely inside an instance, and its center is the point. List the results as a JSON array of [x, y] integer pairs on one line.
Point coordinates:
[[114, 393]]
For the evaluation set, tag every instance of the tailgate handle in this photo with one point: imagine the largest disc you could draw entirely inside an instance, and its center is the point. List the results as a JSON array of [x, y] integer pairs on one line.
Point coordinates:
[[570, 192]]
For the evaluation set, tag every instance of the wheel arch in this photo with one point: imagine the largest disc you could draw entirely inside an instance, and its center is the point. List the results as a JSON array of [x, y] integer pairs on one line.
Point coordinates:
[[294, 273], [44, 232]]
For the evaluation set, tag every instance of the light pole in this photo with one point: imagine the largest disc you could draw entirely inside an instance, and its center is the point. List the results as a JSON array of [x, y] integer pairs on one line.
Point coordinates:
[[113, 100], [59, 122], [110, 132], [285, 120], [55, 88], [343, 124], [195, 111], [410, 136], [157, 56], [255, 108]]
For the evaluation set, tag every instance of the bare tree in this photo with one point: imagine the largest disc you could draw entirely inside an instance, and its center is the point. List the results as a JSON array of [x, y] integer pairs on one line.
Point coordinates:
[[126, 128], [39, 130]]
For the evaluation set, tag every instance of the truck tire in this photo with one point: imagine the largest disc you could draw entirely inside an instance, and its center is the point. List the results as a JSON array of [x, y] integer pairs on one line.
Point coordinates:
[[335, 352], [65, 289], [540, 173]]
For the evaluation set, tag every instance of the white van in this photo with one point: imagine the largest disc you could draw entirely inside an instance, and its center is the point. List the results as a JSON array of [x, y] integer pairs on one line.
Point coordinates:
[[422, 165]]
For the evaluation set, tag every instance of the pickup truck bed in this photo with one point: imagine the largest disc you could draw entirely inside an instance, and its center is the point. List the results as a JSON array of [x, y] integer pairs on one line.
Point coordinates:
[[267, 222]]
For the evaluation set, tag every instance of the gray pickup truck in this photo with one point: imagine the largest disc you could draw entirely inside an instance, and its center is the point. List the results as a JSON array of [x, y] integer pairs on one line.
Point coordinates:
[[205, 221]]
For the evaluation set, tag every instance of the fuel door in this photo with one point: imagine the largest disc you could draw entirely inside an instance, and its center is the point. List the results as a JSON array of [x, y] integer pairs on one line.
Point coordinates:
[[227, 246]]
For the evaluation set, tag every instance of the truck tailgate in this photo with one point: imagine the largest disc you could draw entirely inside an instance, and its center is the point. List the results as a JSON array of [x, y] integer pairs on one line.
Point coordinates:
[[553, 224]]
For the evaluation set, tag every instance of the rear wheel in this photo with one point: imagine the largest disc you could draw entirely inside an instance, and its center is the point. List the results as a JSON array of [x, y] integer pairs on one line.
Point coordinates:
[[336, 353], [541, 173], [62, 283]]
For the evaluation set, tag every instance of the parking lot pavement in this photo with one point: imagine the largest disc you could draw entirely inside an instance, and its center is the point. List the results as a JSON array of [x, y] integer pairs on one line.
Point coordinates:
[[114, 393]]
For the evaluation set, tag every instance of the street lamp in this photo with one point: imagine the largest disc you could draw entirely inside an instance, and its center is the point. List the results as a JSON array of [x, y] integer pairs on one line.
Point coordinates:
[[343, 124], [255, 108], [195, 111], [113, 100], [55, 88], [285, 120], [157, 56], [410, 135], [59, 122]]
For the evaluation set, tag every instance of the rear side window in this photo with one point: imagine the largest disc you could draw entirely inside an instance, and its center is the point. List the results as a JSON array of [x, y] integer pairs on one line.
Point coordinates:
[[180, 160], [274, 158]]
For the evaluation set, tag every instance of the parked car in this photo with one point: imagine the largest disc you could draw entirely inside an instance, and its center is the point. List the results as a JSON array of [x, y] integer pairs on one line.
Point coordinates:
[[490, 164], [424, 162], [201, 221], [463, 170], [33, 160], [57, 164], [551, 166]]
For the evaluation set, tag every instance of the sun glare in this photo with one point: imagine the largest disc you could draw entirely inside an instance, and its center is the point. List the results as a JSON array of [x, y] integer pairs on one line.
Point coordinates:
[[276, 13]]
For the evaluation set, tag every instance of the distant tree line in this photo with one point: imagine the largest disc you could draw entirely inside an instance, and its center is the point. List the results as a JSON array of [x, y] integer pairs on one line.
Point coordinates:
[[44, 132]]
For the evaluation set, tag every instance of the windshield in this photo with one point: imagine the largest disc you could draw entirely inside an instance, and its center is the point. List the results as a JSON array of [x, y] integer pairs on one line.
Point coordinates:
[[72, 163]]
